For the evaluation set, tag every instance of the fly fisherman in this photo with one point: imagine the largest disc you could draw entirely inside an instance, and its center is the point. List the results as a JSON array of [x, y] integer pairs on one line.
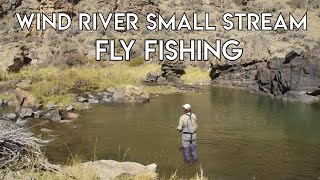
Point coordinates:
[[188, 125]]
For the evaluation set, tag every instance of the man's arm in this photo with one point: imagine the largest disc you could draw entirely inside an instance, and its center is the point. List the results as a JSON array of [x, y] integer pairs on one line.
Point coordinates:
[[180, 124]]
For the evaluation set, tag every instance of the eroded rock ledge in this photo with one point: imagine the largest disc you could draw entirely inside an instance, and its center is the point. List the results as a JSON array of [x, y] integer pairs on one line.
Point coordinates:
[[296, 77]]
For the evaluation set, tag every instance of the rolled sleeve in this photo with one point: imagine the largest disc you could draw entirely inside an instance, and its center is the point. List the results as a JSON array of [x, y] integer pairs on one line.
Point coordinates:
[[180, 124]]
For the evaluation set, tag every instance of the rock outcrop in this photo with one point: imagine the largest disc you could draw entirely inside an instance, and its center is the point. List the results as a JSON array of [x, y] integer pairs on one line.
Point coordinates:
[[296, 77], [171, 72], [20, 60]]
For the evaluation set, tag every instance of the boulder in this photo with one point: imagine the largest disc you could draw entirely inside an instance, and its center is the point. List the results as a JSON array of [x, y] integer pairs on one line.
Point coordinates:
[[151, 77], [91, 96], [37, 114], [93, 101], [301, 97], [69, 108], [106, 100], [82, 99], [109, 169], [9, 116], [152, 167], [54, 115], [51, 106], [25, 98], [86, 106], [20, 121], [130, 93], [26, 113]]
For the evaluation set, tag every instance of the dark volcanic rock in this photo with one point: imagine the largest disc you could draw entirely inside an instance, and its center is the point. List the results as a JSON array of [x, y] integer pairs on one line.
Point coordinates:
[[295, 77], [298, 72], [171, 72]]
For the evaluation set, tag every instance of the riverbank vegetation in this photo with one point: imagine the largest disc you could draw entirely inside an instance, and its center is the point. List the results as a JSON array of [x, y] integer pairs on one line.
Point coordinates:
[[195, 75], [53, 84], [58, 84]]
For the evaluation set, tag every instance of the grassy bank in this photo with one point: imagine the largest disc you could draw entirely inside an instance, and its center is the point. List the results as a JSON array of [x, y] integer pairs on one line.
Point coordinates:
[[195, 75], [56, 84]]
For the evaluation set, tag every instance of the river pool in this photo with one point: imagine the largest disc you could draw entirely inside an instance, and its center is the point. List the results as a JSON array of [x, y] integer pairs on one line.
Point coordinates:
[[240, 135]]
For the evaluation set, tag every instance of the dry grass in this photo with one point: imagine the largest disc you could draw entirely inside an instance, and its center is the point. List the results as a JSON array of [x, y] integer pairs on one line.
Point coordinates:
[[53, 84], [195, 75]]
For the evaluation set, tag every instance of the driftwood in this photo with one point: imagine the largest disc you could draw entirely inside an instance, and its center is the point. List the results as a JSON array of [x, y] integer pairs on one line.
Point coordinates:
[[19, 149]]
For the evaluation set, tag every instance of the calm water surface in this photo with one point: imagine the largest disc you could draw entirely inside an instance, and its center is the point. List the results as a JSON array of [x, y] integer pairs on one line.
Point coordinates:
[[240, 135]]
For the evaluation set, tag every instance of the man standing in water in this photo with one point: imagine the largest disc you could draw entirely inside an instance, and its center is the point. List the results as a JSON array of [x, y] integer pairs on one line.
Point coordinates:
[[188, 125]]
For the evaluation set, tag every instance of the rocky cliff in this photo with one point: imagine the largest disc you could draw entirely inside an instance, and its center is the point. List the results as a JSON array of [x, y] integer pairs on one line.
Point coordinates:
[[73, 47], [295, 77]]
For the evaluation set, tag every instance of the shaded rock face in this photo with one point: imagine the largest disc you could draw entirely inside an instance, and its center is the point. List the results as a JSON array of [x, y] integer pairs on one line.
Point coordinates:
[[297, 72], [171, 72], [298, 75], [20, 60]]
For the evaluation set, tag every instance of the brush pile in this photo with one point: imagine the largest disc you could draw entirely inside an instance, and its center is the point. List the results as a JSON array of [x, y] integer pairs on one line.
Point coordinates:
[[19, 149]]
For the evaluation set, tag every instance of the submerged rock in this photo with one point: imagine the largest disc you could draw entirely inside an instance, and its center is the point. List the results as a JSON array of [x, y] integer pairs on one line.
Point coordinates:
[[301, 97], [72, 115], [66, 121], [45, 130]]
